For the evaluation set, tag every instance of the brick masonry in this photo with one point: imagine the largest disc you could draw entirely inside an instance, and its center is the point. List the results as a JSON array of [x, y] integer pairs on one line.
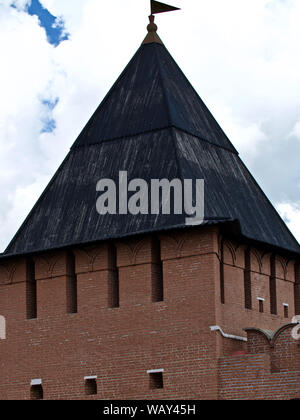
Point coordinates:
[[119, 345]]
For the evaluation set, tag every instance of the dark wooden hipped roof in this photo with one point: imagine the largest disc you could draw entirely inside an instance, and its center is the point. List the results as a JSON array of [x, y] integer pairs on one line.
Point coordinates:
[[152, 124], [151, 94]]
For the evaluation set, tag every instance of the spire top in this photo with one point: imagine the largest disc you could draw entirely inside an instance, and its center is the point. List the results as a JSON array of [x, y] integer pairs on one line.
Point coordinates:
[[152, 33], [152, 27], [156, 7]]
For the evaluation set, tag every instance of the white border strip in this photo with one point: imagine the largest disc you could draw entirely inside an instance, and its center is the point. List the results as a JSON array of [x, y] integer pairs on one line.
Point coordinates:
[[261, 299], [234, 337], [2, 328], [87, 378], [35, 382], [155, 371]]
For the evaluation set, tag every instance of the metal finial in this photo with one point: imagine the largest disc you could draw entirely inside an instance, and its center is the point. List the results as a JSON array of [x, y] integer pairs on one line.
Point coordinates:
[[152, 36], [156, 7], [152, 27]]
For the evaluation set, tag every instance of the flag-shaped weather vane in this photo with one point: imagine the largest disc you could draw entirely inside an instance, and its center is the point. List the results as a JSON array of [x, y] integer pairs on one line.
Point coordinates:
[[156, 7]]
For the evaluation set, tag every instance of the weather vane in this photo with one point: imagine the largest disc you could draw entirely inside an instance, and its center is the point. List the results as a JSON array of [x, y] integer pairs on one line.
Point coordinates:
[[158, 7]]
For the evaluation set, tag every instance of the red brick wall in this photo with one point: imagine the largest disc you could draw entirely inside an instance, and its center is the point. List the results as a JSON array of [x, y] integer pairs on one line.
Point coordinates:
[[234, 317], [120, 345], [271, 370], [297, 289]]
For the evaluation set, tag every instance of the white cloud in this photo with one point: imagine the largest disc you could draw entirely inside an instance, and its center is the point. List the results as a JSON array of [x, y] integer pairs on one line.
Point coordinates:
[[240, 56], [296, 130], [246, 135], [19, 4], [290, 212], [24, 79]]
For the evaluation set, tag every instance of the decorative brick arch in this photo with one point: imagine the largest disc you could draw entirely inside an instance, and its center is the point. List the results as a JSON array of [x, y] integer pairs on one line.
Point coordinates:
[[93, 258], [55, 261], [290, 269], [85, 260], [265, 260], [12, 272], [4, 275], [138, 247], [297, 272], [259, 341], [277, 335], [181, 244], [43, 265], [283, 264], [229, 246], [173, 244], [258, 258], [126, 247], [184, 244], [270, 337]]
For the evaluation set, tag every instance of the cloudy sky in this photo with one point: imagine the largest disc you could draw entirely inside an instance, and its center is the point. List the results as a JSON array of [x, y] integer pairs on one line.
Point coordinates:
[[59, 57]]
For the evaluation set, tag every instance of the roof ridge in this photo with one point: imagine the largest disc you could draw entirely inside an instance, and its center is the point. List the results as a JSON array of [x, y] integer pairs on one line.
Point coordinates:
[[163, 87], [202, 102], [105, 98], [131, 135]]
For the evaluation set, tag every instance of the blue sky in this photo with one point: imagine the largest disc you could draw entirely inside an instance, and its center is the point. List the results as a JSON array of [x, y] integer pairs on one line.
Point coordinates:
[[56, 33], [53, 26]]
